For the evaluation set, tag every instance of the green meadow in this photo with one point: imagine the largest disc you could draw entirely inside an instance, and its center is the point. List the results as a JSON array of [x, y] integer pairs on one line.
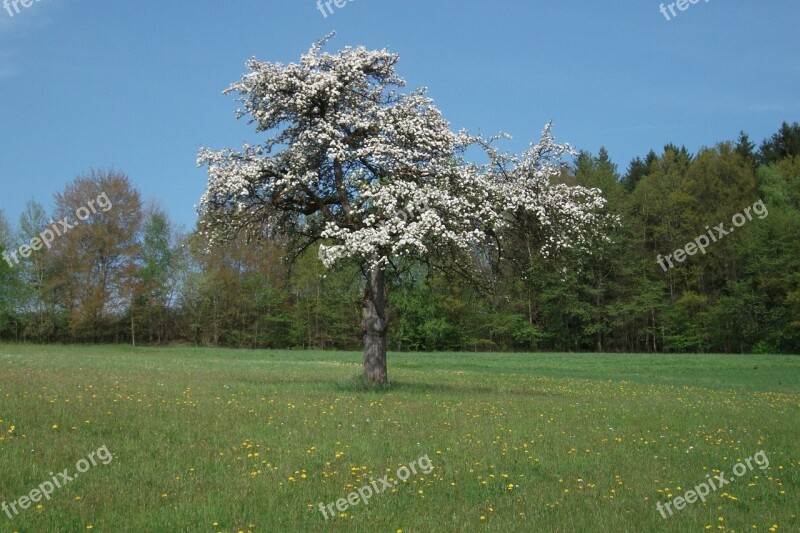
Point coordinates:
[[208, 440]]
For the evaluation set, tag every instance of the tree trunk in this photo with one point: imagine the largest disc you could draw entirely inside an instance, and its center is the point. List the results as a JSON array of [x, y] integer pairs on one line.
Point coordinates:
[[375, 328], [133, 328]]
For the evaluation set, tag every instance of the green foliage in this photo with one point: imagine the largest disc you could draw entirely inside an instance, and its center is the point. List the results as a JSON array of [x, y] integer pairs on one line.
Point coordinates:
[[785, 144], [741, 295], [9, 283]]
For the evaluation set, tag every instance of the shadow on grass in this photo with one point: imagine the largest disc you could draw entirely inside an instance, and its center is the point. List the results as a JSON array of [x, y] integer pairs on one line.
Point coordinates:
[[357, 384]]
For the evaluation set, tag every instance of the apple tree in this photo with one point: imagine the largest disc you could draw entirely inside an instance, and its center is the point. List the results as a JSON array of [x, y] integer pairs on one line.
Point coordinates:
[[374, 173]]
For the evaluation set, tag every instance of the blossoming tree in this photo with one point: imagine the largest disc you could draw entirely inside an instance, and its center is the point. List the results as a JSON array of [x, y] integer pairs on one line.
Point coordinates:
[[374, 174]]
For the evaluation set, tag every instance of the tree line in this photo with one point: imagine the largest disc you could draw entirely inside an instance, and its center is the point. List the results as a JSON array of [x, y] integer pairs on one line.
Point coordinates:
[[130, 275]]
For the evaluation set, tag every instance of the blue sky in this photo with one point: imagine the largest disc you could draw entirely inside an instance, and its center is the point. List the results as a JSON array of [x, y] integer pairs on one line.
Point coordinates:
[[136, 86]]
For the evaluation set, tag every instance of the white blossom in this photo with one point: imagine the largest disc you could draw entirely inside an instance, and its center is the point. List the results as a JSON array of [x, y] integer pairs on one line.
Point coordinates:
[[374, 172]]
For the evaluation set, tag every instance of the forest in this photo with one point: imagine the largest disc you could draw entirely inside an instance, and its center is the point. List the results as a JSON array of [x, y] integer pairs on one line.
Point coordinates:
[[130, 275]]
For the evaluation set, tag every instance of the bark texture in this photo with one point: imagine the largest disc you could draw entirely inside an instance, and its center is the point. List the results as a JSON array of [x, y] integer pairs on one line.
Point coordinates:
[[375, 328]]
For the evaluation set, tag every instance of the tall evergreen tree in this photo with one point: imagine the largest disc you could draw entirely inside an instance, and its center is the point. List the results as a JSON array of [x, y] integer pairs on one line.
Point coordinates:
[[782, 145]]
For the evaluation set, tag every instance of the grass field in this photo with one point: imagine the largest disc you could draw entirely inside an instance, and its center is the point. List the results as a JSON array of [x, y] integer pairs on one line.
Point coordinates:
[[227, 440]]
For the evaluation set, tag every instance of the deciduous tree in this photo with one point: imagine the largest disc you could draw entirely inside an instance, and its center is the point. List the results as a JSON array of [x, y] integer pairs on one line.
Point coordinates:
[[376, 174]]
